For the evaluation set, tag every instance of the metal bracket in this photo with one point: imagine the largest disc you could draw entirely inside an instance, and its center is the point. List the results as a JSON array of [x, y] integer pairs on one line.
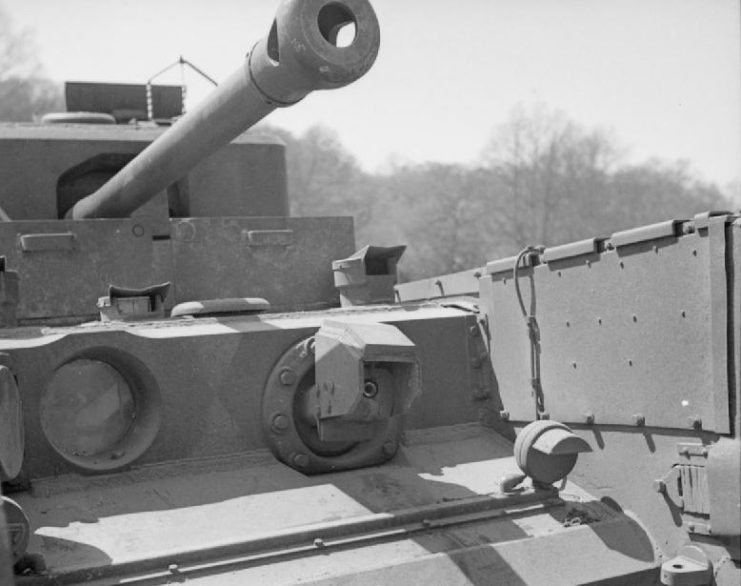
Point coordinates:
[[64, 241], [705, 485], [651, 232], [571, 250], [365, 374], [690, 568]]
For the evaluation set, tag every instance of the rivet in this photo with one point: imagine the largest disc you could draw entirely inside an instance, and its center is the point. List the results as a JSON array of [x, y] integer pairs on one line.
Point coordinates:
[[504, 415], [137, 230], [301, 460], [173, 568], [630, 362], [573, 364], [691, 527], [287, 377], [622, 265], [589, 418], [504, 281], [694, 252], [279, 422], [656, 249], [319, 542], [389, 448], [599, 320], [684, 313], [639, 420], [588, 263], [559, 273], [635, 318]]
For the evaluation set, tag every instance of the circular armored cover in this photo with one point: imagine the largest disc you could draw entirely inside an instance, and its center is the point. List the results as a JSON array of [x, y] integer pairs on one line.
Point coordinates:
[[87, 408], [296, 443], [545, 468], [19, 529], [11, 426], [100, 414]]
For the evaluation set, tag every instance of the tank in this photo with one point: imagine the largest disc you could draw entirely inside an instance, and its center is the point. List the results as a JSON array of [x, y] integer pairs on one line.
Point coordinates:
[[196, 387]]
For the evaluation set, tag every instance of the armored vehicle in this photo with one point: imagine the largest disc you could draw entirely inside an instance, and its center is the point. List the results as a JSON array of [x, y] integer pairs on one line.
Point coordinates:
[[196, 387]]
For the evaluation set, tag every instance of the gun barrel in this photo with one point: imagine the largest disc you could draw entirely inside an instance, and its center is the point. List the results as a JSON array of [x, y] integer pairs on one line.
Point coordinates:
[[300, 54]]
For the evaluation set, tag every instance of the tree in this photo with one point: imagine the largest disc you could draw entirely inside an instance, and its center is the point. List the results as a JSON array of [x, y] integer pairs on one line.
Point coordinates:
[[440, 211], [325, 179], [657, 190], [25, 91], [551, 175]]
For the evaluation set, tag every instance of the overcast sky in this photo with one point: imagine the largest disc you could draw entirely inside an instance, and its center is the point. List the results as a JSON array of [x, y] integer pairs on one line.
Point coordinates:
[[663, 75]]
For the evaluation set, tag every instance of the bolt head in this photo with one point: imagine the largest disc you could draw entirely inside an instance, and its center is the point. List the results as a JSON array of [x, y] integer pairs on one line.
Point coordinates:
[[695, 422], [659, 486], [301, 460], [279, 422], [287, 377], [639, 420], [504, 415], [589, 418]]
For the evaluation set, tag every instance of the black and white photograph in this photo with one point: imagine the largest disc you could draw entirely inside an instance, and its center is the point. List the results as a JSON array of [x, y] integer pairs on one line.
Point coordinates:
[[370, 292]]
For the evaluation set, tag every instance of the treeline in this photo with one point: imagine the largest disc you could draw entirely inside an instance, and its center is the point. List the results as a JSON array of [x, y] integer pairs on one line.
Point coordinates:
[[542, 179]]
